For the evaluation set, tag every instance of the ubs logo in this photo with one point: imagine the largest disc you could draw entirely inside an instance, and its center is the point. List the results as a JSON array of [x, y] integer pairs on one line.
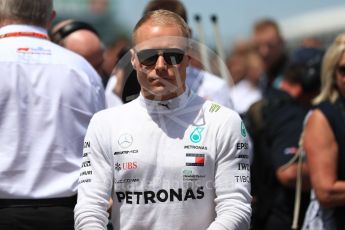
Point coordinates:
[[126, 166], [125, 140]]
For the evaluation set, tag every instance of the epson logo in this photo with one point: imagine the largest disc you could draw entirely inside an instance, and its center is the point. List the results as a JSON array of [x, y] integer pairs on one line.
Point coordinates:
[[171, 195], [242, 146]]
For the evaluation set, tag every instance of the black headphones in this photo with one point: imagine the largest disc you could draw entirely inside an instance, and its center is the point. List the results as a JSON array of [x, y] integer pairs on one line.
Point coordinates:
[[311, 79], [305, 67], [69, 28]]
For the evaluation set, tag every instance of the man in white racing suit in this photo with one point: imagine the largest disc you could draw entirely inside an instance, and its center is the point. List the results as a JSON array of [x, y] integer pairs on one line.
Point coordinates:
[[169, 159]]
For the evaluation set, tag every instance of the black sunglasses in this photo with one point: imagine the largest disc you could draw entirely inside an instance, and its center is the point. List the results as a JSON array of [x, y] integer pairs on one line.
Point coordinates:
[[172, 56], [341, 70]]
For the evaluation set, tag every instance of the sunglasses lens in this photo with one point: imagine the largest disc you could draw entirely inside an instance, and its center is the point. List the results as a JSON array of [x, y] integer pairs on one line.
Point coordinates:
[[147, 57], [341, 70], [171, 56]]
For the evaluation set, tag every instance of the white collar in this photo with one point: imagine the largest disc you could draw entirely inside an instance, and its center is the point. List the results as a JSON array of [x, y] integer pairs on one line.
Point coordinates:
[[166, 106], [22, 28]]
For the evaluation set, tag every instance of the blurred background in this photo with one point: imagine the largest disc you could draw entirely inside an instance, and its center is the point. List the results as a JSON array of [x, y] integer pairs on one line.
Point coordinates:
[[298, 19]]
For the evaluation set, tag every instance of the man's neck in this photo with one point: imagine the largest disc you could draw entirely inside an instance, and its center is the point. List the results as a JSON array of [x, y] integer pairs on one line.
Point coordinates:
[[8, 22]]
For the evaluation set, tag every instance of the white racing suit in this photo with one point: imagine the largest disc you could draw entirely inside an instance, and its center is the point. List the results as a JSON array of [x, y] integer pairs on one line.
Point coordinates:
[[176, 164]]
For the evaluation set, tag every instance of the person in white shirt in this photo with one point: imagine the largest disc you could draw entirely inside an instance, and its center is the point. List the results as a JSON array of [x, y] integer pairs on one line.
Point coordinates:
[[47, 97], [247, 90], [169, 159]]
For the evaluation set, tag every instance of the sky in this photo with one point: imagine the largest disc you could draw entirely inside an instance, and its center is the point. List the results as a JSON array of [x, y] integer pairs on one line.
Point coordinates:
[[235, 18]]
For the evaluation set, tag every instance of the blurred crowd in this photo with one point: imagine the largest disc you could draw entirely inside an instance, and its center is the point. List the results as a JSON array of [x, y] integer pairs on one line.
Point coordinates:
[[291, 101]]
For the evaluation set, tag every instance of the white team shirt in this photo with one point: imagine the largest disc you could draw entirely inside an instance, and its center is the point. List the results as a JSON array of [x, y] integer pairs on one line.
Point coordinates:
[[47, 98], [177, 164]]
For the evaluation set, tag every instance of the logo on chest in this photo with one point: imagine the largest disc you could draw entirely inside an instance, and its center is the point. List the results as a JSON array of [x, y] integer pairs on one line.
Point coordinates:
[[195, 136], [126, 166], [125, 140], [195, 159]]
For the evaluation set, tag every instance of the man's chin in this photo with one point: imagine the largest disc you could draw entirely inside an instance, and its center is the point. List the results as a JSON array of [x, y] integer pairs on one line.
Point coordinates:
[[162, 93]]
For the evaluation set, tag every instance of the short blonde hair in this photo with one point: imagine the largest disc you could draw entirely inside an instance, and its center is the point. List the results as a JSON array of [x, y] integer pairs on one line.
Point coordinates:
[[164, 18], [330, 62]]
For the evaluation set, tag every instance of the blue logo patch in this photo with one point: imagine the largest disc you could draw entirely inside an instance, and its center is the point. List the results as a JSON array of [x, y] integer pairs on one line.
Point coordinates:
[[243, 130], [195, 136]]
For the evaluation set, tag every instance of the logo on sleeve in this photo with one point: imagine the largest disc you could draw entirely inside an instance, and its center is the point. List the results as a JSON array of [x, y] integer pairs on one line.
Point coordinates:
[[34, 50], [214, 108], [195, 136], [243, 130]]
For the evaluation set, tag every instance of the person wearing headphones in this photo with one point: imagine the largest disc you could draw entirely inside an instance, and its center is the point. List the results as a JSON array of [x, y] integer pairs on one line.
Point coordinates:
[[284, 112], [83, 39]]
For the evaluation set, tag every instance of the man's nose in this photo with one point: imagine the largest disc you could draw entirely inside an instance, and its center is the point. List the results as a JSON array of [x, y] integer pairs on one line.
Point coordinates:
[[161, 64]]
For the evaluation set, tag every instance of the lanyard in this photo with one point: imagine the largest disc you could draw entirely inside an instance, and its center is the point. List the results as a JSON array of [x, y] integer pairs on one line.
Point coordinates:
[[25, 34]]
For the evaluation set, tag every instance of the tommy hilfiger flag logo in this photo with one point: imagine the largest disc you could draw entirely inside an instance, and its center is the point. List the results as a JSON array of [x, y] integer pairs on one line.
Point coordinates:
[[193, 159]]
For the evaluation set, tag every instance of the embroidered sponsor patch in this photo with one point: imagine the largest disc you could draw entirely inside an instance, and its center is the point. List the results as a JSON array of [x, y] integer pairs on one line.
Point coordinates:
[[194, 159]]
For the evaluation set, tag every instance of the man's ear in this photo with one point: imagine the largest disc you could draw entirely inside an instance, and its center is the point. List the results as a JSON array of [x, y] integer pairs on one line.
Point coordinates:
[[133, 58]]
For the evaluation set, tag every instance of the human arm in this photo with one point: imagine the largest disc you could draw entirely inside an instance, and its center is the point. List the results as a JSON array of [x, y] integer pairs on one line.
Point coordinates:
[[232, 178], [283, 135], [322, 157], [95, 182], [287, 176]]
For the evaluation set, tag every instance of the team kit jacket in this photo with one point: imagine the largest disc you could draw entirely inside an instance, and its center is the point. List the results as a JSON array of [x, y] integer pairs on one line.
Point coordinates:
[[176, 164]]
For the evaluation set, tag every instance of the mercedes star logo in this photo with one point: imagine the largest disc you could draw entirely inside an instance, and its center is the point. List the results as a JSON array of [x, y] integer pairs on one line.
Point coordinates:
[[125, 140]]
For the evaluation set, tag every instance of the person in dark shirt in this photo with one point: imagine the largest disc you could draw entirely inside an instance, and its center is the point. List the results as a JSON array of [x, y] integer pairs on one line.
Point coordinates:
[[324, 142], [283, 114]]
